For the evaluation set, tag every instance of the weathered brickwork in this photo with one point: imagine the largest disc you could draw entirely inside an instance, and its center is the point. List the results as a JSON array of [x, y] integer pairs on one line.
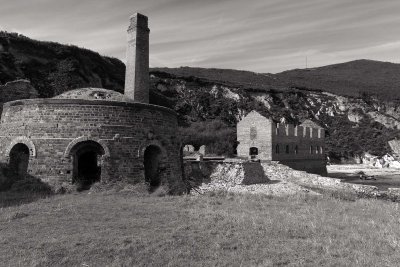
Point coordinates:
[[52, 127], [137, 59], [301, 147]]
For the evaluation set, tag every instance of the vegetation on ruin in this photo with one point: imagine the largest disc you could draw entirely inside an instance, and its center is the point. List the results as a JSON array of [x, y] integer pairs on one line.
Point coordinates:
[[123, 229]]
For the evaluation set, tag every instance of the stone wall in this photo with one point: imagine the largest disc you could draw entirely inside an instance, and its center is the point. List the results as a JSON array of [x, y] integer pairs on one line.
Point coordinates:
[[254, 131], [297, 143], [301, 147], [50, 128]]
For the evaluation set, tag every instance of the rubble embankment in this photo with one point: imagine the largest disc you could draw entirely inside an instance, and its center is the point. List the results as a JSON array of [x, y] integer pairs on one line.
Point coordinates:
[[283, 181]]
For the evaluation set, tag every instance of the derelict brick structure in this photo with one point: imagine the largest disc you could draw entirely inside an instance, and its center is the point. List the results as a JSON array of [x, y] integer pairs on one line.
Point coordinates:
[[301, 147], [91, 134]]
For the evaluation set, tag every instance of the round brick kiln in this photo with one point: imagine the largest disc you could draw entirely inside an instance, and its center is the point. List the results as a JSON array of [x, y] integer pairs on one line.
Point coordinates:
[[91, 134], [87, 135]]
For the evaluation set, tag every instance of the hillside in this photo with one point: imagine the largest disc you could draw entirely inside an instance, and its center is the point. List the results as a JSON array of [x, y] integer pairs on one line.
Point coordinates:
[[238, 78], [355, 78], [380, 79], [54, 68], [355, 101], [209, 110]]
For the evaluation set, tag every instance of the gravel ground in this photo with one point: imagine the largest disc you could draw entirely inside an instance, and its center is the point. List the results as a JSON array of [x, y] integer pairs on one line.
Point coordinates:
[[284, 181]]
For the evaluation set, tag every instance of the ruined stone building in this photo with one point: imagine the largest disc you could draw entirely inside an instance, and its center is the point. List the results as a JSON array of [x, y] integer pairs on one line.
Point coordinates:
[[300, 147], [88, 135]]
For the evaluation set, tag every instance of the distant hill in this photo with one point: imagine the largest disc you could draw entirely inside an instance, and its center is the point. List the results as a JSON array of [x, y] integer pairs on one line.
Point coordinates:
[[355, 78], [381, 79], [237, 78]]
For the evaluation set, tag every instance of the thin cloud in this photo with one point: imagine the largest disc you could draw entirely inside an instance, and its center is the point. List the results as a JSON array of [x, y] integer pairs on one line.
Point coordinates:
[[257, 35]]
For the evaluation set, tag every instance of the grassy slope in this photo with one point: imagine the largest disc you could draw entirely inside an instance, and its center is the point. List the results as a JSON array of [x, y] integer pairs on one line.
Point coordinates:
[[229, 77], [350, 78], [123, 230]]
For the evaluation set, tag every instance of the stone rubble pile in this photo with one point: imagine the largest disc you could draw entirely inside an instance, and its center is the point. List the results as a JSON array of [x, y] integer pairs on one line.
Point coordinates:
[[285, 181], [230, 177], [316, 181]]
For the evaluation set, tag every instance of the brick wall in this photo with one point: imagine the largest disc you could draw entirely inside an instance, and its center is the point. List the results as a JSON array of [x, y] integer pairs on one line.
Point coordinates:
[[53, 126], [254, 131], [137, 56]]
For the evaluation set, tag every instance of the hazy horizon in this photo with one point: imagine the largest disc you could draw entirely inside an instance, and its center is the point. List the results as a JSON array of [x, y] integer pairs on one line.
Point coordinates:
[[260, 35]]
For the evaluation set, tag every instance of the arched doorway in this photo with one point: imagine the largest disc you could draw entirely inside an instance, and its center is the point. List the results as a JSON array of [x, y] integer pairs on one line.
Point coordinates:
[[19, 160], [152, 160], [86, 158], [253, 152]]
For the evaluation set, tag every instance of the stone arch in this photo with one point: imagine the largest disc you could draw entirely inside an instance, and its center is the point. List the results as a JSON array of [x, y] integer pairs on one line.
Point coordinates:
[[152, 162], [154, 158], [19, 160], [22, 140], [103, 144], [253, 151], [87, 162], [154, 143]]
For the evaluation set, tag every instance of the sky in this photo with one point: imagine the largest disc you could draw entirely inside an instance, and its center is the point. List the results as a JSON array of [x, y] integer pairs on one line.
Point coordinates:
[[256, 35]]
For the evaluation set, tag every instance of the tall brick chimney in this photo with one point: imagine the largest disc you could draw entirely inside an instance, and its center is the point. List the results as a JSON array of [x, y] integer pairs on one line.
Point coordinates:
[[137, 59]]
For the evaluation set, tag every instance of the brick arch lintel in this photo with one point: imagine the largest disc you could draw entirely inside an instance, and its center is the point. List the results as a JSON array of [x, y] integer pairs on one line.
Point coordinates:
[[102, 143], [22, 140], [156, 143]]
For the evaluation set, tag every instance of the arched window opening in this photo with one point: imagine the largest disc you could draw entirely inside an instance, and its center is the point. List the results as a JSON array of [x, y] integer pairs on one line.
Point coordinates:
[[86, 158], [317, 150], [277, 149], [287, 150], [311, 150], [296, 150], [253, 133], [19, 160], [152, 170]]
